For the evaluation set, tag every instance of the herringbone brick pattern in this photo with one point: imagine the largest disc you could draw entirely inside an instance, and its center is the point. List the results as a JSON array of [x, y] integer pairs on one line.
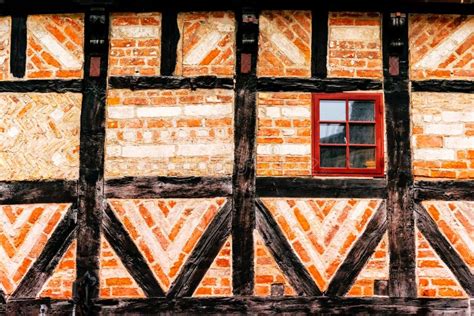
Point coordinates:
[[456, 221], [285, 44], [135, 44], [39, 136], [441, 46], [59, 285], [24, 231], [355, 46], [166, 230], [5, 28], [207, 44], [218, 279], [169, 133], [376, 269], [55, 46], [321, 231], [267, 271], [115, 280], [433, 276]]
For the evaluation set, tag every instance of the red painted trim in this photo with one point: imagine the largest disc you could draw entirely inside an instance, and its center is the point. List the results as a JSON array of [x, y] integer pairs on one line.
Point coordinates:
[[379, 135]]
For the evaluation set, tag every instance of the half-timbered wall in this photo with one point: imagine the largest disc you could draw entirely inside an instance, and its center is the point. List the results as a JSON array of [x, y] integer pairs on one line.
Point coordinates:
[[167, 154]]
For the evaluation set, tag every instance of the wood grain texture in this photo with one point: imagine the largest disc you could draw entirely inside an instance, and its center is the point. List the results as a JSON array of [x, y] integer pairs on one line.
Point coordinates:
[[282, 252], [26, 192], [43, 86], [18, 46], [464, 86], [169, 42], [444, 190], [163, 82], [317, 85]]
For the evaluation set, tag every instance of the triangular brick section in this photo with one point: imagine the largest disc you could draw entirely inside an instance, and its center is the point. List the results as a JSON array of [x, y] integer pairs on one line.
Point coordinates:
[[115, 280], [434, 278], [166, 230], [322, 231], [59, 284], [373, 279], [24, 231], [218, 279], [455, 220], [269, 279]]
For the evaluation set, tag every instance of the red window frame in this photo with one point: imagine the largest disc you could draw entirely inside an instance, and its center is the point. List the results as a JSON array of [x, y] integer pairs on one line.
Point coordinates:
[[378, 171]]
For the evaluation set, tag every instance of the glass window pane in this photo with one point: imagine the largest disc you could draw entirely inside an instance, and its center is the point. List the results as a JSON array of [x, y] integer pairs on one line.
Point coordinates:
[[332, 134], [362, 134], [332, 110], [361, 110], [332, 157], [362, 157]]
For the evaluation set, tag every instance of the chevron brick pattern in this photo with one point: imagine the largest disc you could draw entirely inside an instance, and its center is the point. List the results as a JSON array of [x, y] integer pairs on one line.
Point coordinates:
[[55, 46], [377, 268], [456, 221], [433, 276], [166, 230], [59, 285], [39, 136], [355, 46], [24, 231], [207, 44], [441, 46], [135, 44], [5, 28], [322, 231], [115, 280], [169, 133], [218, 279], [267, 271], [284, 44]]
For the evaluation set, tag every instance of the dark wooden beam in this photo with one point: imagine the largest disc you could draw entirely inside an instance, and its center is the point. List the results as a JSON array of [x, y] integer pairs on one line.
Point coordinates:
[[287, 306], [444, 190], [280, 249], [142, 83], [53, 251], [444, 249], [43, 86], [359, 255], [30, 192], [18, 46], [319, 43], [91, 171], [203, 254], [317, 85], [169, 41], [243, 178], [321, 188], [40, 306], [401, 222], [464, 86], [129, 254], [168, 187]]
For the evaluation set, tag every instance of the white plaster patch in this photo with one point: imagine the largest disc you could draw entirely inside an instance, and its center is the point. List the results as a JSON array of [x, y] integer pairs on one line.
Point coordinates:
[[354, 33]]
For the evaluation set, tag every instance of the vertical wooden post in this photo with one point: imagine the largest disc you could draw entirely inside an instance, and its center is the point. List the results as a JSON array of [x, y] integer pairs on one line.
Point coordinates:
[[245, 120], [319, 42], [169, 42], [400, 211], [91, 200], [18, 46]]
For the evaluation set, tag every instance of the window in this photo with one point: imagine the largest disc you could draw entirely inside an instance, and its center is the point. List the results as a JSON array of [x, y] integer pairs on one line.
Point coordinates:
[[347, 134]]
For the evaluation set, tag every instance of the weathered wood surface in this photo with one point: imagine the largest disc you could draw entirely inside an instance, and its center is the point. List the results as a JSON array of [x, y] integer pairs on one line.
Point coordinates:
[[464, 86], [319, 43], [25, 192], [457, 190], [163, 82], [46, 85], [169, 42], [18, 46], [317, 84]]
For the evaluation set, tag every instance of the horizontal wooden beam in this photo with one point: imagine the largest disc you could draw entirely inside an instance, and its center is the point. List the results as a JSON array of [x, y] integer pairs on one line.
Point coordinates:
[[167, 187], [465, 86], [168, 82], [42, 86], [444, 190], [321, 188], [317, 84], [28, 192]]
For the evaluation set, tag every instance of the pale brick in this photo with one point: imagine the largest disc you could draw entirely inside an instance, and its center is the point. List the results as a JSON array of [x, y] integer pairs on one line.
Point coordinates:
[[158, 111], [204, 149], [208, 110], [292, 149], [121, 112], [459, 142], [264, 149], [450, 117], [444, 129], [434, 154], [273, 111], [296, 111], [151, 151]]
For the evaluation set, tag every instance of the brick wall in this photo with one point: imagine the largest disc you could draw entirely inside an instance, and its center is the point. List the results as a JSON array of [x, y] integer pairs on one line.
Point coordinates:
[[207, 44], [5, 26], [284, 134], [441, 46], [39, 136], [284, 44], [443, 135], [135, 44], [169, 132], [355, 47]]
